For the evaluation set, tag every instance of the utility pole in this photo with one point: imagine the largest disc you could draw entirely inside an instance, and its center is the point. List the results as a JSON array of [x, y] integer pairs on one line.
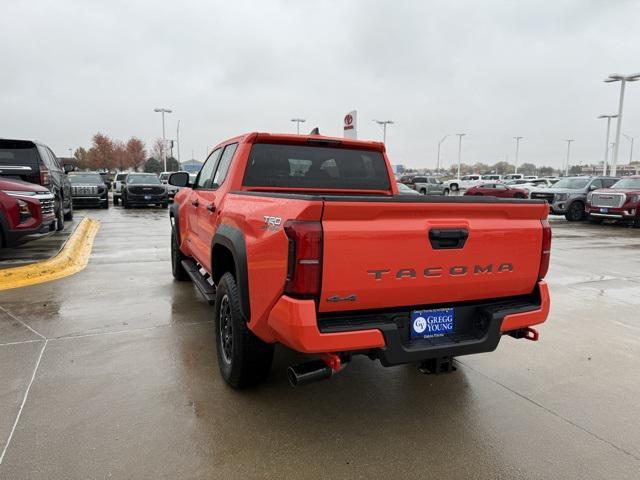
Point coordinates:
[[178, 140], [298, 122], [440, 143], [383, 124], [623, 79], [460, 135], [566, 171], [517, 139], [164, 137]]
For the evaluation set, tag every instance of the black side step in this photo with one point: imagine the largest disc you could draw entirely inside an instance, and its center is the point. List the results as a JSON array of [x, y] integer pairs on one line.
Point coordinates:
[[201, 280]]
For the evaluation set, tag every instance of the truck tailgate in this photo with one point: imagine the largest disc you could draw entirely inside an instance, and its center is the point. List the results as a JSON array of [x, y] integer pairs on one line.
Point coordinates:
[[378, 254]]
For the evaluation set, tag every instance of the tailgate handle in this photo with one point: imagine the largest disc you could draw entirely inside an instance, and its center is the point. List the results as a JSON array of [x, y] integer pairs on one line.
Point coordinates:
[[443, 238]]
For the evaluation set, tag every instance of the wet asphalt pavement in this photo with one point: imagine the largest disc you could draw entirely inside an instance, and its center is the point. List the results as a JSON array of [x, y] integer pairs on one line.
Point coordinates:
[[126, 384]]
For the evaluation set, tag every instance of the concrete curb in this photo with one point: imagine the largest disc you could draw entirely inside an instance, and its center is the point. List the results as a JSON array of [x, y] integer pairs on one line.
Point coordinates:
[[73, 258]]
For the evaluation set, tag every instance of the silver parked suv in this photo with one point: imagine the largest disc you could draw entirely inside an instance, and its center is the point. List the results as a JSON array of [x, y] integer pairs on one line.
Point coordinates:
[[568, 196]]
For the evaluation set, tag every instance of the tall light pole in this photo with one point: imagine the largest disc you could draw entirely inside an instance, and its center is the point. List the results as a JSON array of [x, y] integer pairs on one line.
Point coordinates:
[[623, 79], [164, 138], [460, 135], [606, 143], [178, 140], [566, 171], [298, 122], [440, 143], [517, 139], [383, 124], [631, 151]]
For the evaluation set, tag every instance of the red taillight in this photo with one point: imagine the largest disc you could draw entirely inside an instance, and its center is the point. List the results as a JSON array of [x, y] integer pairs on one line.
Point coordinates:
[[305, 259], [546, 249], [45, 176]]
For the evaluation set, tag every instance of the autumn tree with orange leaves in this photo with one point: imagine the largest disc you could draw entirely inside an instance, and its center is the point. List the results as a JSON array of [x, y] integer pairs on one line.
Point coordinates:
[[109, 154]]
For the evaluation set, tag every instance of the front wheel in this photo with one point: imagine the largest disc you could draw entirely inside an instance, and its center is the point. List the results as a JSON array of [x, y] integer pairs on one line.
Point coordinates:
[[445, 191], [423, 191], [177, 256], [59, 216], [69, 214], [243, 358], [575, 212], [454, 187]]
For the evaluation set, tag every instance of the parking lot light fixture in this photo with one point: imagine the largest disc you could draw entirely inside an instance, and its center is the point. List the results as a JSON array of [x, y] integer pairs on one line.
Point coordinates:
[[566, 171], [164, 138], [460, 135], [630, 151], [439, 144], [298, 122], [517, 139], [606, 143], [623, 79], [383, 124]]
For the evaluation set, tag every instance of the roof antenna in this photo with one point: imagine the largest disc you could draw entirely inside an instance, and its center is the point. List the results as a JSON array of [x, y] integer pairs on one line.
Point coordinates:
[[315, 131]]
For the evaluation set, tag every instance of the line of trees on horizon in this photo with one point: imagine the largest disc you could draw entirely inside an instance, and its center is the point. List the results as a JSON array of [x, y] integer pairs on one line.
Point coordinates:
[[108, 154]]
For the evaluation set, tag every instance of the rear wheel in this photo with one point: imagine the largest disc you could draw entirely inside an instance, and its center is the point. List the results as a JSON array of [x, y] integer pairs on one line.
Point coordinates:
[[177, 256], [423, 191], [445, 191], [575, 212], [69, 214], [59, 215], [454, 187], [243, 358]]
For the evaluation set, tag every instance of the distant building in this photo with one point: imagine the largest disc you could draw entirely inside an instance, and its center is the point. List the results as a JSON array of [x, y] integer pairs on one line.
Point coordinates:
[[191, 166]]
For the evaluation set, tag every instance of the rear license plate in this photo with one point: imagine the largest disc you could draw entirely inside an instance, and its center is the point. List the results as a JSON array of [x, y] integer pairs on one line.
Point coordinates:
[[432, 323], [147, 197], [604, 210]]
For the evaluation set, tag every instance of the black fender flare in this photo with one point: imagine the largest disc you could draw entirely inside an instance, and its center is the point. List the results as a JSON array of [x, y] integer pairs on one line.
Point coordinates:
[[233, 240], [174, 212]]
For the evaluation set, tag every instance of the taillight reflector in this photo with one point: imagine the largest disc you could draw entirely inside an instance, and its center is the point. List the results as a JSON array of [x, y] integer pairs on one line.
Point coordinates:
[[305, 259], [546, 249]]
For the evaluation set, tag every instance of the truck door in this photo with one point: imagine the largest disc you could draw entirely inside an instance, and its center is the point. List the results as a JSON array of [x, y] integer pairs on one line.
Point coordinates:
[[196, 202], [208, 200]]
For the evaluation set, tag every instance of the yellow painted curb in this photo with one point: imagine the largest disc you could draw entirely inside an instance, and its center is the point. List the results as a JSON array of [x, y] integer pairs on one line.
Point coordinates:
[[71, 259]]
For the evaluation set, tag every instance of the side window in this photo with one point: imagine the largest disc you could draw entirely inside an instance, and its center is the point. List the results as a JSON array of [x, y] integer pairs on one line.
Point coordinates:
[[224, 164], [499, 186], [597, 183], [54, 159], [205, 176], [608, 182], [44, 155]]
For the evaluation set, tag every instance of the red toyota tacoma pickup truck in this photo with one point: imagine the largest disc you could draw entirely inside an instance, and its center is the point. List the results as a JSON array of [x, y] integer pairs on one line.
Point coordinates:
[[303, 240]]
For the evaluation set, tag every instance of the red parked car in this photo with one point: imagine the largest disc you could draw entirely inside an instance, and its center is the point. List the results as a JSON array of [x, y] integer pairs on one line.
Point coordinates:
[[26, 212], [497, 190]]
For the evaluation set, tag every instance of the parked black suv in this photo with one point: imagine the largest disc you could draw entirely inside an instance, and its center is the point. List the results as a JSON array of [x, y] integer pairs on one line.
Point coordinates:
[[89, 189], [34, 162], [144, 189]]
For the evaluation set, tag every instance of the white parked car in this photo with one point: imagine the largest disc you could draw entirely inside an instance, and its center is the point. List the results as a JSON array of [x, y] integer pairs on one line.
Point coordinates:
[[116, 186], [462, 183]]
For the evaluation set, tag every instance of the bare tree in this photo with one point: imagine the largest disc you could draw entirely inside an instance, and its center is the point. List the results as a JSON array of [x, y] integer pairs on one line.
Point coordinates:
[[82, 157], [159, 148]]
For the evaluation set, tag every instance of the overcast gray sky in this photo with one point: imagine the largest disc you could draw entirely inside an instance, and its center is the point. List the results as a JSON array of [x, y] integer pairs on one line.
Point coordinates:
[[492, 69]]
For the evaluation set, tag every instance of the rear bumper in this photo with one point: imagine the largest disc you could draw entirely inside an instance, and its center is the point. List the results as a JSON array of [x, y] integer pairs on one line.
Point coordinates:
[[385, 335]]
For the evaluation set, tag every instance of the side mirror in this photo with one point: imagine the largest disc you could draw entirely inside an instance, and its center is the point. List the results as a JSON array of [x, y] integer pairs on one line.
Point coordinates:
[[68, 168], [593, 187], [179, 179]]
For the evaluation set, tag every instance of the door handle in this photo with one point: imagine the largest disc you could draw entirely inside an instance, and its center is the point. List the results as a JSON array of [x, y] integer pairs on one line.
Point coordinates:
[[195, 203], [211, 207], [446, 238]]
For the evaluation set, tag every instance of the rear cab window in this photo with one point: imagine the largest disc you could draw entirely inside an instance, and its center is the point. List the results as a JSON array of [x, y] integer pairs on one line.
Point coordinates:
[[310, 167]]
